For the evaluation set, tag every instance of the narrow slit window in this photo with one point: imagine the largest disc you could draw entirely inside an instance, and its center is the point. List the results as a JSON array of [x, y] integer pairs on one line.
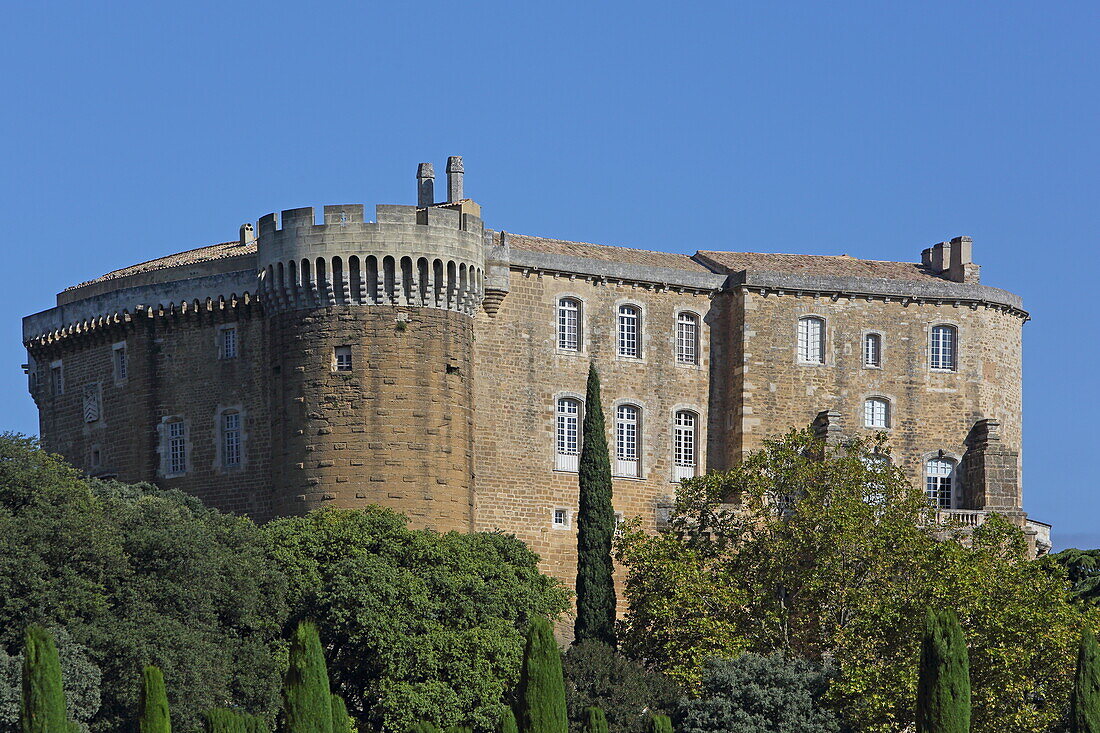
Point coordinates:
[[177, 447], [872, 350], [122, 366]]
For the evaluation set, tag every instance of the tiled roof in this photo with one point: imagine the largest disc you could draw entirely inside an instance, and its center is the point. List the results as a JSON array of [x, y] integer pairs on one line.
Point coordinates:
[[190, 257], [823, 265], [627, 255]]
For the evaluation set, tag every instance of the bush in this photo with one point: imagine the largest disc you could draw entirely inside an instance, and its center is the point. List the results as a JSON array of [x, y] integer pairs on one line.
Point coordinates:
[[756, 694], [627, 692]]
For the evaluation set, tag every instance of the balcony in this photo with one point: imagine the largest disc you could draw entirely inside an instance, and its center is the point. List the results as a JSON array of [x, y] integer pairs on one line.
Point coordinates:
[[972, 518]]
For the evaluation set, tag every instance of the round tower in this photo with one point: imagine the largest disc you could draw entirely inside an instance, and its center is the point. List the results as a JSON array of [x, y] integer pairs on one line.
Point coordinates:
[[370, 330]]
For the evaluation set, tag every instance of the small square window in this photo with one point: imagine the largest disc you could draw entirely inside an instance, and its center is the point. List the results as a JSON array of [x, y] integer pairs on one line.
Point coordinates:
[[561, 519], [341, 359]]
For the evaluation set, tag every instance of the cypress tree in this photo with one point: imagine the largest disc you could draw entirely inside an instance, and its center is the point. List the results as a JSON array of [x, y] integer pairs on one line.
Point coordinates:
[[458, 729], [943, 690], [594, 720], [221, 720], [423, 726], [341, 721], [595, 526], [1085, 697], [154, 717], [541, 691], [660, 724], [507, 722], [307, 701], [43, 705]]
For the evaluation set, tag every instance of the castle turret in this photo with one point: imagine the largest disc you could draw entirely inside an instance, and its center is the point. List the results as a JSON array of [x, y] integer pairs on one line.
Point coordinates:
[[370, 339]]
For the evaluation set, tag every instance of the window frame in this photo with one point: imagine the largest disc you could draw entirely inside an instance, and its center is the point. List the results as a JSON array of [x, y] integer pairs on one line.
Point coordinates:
[[887, 412], [868, 337], [337, 364], [561, 327], [57, 378], [621, 334], [565, 525], [680, 470], [568, 462], [224, 341], [951, 478], [822, 339], [224, 432], [120, 361], [628, 439], [953, 329], [169, 467], [678, 344]]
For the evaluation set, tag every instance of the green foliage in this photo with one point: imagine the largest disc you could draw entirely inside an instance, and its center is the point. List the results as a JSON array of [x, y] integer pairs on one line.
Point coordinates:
[[625, 690], [943, 690], [660, 724], [154, 716], [458, 729], [422, 727], [307, 701], [1083, 569], [222, 720], [43, 709], [421, 626], [341, 721], [139, 576], [595, 526], [827, 553], [79, 675], [1085, 697], [507, 722], [760, 694], [541, 692], [594, 720]]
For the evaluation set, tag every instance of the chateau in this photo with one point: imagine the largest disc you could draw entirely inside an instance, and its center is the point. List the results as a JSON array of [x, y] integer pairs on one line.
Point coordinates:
[[425, 362]]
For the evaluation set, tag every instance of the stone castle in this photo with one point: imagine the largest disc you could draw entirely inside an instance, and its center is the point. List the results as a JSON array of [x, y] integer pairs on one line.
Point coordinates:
[[424, 362]]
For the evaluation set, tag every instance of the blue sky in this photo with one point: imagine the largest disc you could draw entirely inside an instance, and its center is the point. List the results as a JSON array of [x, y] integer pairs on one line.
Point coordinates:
[[134, 130]]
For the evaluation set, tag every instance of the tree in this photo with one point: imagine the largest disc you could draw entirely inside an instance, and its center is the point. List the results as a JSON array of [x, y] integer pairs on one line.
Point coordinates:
[[541, 692], [154, 716], [594, 720], [1083, 568], [43, 708], [222, 720], [307, 701], [421, 626], [660, 724], [507, 722], [341, 721], [943, 689], [758, 694], [625, 690], [826, 552], [1085, 697], [80, 677], [595, 526], [139, 576]]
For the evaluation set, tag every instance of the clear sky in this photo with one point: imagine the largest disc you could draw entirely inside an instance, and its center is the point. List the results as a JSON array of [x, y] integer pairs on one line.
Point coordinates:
[[134, 130]]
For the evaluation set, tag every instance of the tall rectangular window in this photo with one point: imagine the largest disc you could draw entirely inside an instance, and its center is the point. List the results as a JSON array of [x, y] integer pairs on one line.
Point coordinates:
[[626, 440], [122, 366], [687, 336], [628, 331], [57, 379], [568, 434], [231, 438], [811, 340], [944, 348], [228, 347], [683, 446], [341, 359], [569, 328], [872, 350], [177, 447], [938, 479]]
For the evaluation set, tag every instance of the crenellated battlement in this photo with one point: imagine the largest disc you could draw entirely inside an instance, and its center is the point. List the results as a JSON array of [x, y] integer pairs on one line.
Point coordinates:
[[428, 257]]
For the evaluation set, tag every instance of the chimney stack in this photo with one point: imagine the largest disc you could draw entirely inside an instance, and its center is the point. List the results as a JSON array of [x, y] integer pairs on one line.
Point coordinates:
[[248, 235], [454, 178], [425, 185]]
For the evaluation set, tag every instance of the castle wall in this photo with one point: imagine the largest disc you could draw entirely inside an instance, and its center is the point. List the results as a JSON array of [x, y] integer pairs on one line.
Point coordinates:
[[520, 375], [930, 410], [395, 430]]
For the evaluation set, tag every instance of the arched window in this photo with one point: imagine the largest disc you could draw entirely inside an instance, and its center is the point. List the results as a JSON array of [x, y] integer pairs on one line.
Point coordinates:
[[569, 436], [569, 324], [944, 351], [629, 330], [687, 338], [939, 482], [872, 350], [683, 445], [627, 423], [876, 412], [231, 438], [811, 340]]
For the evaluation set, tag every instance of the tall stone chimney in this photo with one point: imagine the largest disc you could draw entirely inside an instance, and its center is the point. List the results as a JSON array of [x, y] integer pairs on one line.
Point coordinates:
[[425, 185], [247, 234], [454, 178]]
